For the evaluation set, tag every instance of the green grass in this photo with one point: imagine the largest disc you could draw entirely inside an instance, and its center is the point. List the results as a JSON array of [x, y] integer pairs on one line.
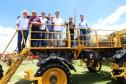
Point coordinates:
[[82, 76]]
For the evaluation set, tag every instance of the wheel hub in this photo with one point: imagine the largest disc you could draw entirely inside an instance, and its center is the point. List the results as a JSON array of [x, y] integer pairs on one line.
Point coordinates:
[[54, 76], [53, 80]]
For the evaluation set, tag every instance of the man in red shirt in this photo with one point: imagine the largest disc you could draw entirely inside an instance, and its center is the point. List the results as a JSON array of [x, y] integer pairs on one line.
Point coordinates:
[[35, 23]]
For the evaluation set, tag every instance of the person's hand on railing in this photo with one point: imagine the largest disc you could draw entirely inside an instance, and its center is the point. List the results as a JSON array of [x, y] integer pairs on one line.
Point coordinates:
[[77, 30], [36, 23], [47, 30], [30, 26], [44, 24]]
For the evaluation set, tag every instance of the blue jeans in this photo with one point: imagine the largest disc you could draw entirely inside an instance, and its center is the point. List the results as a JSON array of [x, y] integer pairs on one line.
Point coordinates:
[[43, 36], [82, 35], [34, 35], [22, 39], [58, 38], [50, 36]]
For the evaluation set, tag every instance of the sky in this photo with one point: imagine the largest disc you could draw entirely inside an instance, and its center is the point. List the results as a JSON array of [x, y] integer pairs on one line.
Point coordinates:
[[100, 14]]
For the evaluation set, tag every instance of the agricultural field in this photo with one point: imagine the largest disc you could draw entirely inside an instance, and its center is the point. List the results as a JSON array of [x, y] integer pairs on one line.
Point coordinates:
[[82, 76]]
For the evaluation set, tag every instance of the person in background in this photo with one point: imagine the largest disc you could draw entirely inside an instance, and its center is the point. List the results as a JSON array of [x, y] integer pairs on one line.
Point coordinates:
[[83, 27], [44, 30], [22, 28], [58, 29], [71, 29], [35, 24], [50, 27]]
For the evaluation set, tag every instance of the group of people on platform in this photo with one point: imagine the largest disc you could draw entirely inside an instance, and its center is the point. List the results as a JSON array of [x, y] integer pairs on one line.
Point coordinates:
[[40, 25]]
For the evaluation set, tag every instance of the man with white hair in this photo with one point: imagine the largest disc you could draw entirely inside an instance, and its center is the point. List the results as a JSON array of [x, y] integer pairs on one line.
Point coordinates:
[[22, 27]]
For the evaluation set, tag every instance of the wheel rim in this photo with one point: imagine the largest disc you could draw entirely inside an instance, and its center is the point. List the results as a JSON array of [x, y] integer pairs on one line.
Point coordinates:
[[124, 65], [97, 66], [54, 76], [125, 76]]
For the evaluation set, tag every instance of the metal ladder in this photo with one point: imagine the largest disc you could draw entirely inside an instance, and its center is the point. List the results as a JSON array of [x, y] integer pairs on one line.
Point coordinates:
[[14, 66]]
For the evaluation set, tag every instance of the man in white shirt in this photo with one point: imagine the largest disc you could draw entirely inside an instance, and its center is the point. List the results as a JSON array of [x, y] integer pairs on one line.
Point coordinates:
[[58, 28], [22, 27], [82, 27], [43, 28]]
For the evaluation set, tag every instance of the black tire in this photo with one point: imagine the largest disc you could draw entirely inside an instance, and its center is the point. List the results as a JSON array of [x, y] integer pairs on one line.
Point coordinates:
[[41, 70], [94, 65], [1, 71], [1, 74], [121, 80]]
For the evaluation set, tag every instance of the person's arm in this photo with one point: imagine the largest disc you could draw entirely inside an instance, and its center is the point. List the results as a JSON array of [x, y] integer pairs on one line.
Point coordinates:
[[67, 24], [46, 25], [29, 24], [78, 28], [17, 23], [37, 23], [53, 22], [86, 25], [74, 27], [64, 23]]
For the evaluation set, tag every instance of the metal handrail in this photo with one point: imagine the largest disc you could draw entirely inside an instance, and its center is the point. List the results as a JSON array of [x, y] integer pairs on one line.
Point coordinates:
[[76, 29], [10, 42]]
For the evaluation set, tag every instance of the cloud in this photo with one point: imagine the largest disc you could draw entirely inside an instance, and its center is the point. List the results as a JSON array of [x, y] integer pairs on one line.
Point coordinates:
[[112, 21], [6, 34]]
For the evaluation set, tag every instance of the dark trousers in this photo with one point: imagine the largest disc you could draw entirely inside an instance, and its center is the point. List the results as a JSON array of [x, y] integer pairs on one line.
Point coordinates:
[[72, 36], [35, 35], [50, 37], [43, 36], [22, 39], [82, 36]]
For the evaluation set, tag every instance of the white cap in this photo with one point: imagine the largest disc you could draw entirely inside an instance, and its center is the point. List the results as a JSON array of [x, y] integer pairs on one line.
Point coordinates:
[[24, 11]]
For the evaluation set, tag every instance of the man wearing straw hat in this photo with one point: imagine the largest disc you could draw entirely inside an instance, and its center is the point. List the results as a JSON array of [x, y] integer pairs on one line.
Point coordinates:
[[22, 27]]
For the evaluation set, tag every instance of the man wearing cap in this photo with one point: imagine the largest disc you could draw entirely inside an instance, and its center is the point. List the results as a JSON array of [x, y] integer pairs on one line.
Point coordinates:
[[22, 27], [58, 28], [35, 24]]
